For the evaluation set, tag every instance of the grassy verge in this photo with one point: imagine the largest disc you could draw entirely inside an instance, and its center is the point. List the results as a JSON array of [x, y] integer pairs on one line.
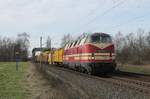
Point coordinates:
[[11, 81], [143, 69]]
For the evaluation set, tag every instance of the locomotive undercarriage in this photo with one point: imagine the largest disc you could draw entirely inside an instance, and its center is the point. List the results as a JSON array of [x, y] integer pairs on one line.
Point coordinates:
[[91, 68]]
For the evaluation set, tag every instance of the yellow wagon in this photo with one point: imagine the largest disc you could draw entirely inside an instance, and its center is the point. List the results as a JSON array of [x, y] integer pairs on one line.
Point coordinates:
[[57, 56]]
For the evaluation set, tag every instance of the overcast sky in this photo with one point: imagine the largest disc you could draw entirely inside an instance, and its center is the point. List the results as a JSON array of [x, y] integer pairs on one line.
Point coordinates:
[[58, 17]]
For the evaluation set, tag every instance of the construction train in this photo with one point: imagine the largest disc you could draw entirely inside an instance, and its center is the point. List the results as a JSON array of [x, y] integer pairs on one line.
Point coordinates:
[[89, 54]]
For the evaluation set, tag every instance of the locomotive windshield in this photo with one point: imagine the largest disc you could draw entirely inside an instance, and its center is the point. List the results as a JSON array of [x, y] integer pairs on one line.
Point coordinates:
[[101, 38]]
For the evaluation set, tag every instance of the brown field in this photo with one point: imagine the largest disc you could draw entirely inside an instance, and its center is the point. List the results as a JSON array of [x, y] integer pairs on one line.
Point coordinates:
[[143, 69]]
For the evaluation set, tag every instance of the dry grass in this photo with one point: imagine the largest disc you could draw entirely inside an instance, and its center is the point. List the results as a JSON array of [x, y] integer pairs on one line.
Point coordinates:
[[143, 69]]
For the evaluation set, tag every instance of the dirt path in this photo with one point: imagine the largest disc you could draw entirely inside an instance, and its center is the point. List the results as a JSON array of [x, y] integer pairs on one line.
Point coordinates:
[[36, 84], [41, 88]]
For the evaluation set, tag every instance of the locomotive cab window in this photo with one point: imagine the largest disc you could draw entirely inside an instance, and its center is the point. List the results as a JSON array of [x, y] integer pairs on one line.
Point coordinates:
[[101, 38], [105, 39]]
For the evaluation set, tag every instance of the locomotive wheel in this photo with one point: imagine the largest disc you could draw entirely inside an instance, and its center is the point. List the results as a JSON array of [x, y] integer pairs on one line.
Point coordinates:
[[80, 69], [84, 70], [76, 68], [87, 72]]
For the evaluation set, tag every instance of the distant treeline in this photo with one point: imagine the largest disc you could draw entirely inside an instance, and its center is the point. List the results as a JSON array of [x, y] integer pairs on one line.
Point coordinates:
[[11, 49], [133, 48]]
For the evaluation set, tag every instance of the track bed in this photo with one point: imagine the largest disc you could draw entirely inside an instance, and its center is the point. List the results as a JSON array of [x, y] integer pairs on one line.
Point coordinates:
[[95, 87]]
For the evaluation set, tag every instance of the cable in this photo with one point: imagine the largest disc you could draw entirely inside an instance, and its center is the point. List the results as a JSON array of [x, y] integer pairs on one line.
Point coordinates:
[[107, 11], [92, 11], [131, 20], [104, 13]]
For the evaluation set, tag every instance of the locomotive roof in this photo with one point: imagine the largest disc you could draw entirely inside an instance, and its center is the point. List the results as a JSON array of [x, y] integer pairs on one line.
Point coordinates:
[[100, 33], [86, 35]]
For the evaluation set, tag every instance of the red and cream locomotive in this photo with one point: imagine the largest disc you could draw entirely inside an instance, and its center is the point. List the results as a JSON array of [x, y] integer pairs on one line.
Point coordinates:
[[91, 54]]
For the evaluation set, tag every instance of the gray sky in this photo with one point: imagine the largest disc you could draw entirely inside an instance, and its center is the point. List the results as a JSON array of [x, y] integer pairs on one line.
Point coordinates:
[[58, 17]]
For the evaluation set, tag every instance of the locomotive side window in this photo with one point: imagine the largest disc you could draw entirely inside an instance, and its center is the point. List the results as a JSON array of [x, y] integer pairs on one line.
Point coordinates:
[[78, 41], [82, 41], [75, 43], [88, 39], [65, 46], [72, 45], [68, 45]]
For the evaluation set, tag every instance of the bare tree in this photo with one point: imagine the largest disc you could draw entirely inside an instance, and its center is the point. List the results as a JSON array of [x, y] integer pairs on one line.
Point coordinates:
[[148, 46], [133, 47], [23, 43], [23, 38], [66, 38], [148, 39], [8, 47]]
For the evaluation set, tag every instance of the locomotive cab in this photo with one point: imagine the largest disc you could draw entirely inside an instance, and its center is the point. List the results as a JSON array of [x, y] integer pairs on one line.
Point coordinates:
[[103, 54]]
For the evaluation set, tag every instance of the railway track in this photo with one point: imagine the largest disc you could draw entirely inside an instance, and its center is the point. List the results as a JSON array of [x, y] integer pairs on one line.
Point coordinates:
[[137, 82], [136, 85], [130, 75]]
